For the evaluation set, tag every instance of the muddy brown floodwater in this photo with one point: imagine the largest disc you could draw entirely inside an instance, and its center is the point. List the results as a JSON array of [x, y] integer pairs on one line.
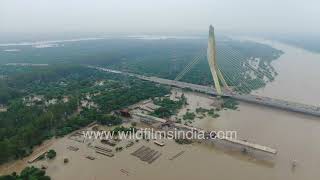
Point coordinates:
[[295, 136]]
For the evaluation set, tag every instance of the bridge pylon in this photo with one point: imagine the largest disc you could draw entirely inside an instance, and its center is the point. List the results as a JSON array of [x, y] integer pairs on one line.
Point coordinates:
[[212, 59]]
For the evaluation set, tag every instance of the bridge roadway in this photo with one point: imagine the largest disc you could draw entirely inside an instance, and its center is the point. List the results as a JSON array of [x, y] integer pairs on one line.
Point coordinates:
[[271, 102], [243, 143]]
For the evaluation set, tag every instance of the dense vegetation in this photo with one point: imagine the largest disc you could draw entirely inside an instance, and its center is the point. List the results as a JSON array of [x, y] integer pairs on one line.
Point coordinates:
[[168, 107], [235, 59], [162, 58], [230, 103], [51, 154], [38, 111], [211, 112], [189, 116], [109, 120], [28, 173]]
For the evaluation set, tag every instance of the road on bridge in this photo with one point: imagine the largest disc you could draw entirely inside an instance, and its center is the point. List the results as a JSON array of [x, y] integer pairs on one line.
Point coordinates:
[[271, 102]]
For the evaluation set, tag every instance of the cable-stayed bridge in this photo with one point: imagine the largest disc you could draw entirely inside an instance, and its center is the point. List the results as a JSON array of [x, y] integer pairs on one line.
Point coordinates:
[[271, 102], [229, 84]]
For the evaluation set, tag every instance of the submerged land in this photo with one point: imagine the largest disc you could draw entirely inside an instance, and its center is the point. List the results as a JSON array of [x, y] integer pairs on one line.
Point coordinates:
[[45, 104]]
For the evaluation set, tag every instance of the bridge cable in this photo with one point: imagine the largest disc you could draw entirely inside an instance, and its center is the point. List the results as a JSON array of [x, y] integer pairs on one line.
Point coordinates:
[[240, 83], [254, 84], [186, 69], [234, 83], [191, 64], [263, 73]]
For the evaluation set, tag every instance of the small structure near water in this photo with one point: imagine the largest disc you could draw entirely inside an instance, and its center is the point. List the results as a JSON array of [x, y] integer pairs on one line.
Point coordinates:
[[146, 154], [159, 143]]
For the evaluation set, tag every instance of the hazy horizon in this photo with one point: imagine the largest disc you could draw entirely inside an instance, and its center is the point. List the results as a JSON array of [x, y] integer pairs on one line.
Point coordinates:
[[158, 17]]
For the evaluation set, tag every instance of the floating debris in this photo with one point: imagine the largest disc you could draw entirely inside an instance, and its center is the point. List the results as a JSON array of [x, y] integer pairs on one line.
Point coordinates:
[[77, 136], [294, 164], [155, 158], [105, 153], [103, 148], [159, 143], [124, 172], [72, 148], [137, 151], [108, 142], [149, 155], [146, 154], [130, 144], [177, 155], [90, 157]]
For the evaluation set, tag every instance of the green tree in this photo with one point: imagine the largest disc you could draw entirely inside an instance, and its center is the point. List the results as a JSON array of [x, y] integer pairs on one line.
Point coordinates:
[[51, 154]]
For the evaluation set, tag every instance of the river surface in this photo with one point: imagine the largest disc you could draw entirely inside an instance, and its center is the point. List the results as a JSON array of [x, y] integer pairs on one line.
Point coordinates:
[[295, 136]]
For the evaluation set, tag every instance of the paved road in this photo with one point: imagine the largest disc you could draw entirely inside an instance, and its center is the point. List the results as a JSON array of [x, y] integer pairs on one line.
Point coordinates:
[[271, 102]]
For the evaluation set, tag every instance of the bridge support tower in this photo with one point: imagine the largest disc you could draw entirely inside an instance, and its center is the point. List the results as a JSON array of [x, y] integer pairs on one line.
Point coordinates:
[[212, 59]]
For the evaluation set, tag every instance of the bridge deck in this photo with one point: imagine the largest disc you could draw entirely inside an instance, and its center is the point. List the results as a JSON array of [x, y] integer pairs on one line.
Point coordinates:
[[271, 102], [242, 143], [251, 145]]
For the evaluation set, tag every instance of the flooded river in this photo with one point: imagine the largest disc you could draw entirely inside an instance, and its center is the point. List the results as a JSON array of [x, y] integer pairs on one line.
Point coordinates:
[[295, 136]]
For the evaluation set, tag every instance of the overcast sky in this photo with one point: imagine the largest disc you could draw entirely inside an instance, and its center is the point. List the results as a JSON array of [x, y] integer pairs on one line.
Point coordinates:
[[156, 16]]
